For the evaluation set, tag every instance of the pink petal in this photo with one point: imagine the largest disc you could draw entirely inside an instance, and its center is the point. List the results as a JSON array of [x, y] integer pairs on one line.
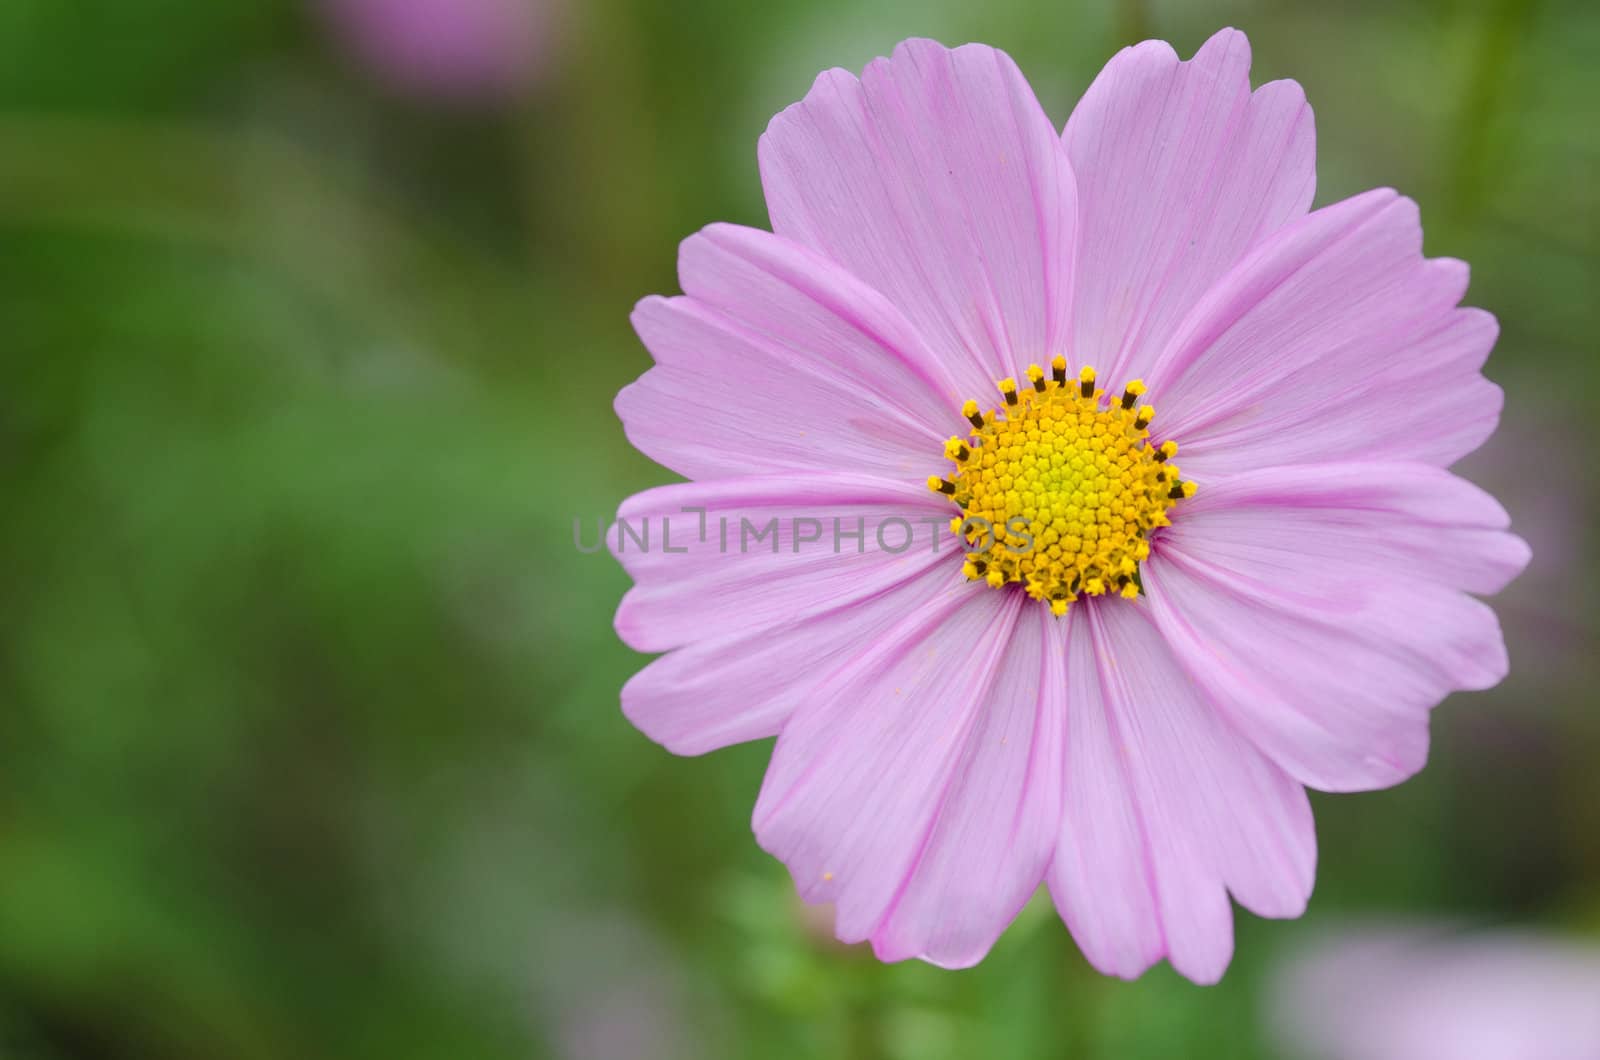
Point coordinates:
[[938, 179], [1321, 608], [1334, 340], [1326, 521], [777, 359], [745, 685], [997, 826], [1167, 808], [863, 777], [775, 549], [1101, 877], [1180, 169]]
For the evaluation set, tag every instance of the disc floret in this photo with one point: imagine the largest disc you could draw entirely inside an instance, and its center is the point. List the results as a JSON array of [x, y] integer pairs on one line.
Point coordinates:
[[1059, 487]]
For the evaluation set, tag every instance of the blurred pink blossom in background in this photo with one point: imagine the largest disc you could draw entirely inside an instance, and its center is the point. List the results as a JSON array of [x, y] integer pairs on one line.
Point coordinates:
[[616, 991], [1415, 992], [466, 50]]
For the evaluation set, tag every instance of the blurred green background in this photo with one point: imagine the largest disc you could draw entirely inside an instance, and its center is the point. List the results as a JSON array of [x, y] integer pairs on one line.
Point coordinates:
[[309, 734]]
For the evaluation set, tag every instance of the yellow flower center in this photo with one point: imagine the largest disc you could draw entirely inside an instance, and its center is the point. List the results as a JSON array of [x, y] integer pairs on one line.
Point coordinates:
[[1059, 488]]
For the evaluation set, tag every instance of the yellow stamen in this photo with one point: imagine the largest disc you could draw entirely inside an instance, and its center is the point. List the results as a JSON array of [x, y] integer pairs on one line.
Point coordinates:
[[1060, 487], [1086, 381]]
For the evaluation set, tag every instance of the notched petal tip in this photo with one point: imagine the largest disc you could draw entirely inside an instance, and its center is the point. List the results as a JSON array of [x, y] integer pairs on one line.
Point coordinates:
[[642, 311], [1521, 553], [1227, 47], [1208, 972], [890, 953], [913, 46], [828, 82], [1153, 50], [629, 629]]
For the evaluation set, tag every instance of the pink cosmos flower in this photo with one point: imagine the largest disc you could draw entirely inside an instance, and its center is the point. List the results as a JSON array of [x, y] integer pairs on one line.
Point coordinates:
[[1419, 992], [1110, 675]]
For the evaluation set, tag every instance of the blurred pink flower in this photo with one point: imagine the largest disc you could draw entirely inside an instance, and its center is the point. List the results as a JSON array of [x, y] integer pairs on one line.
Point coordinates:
[[1407, 992], [457, 49], [1132, 709], [616, 992]]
